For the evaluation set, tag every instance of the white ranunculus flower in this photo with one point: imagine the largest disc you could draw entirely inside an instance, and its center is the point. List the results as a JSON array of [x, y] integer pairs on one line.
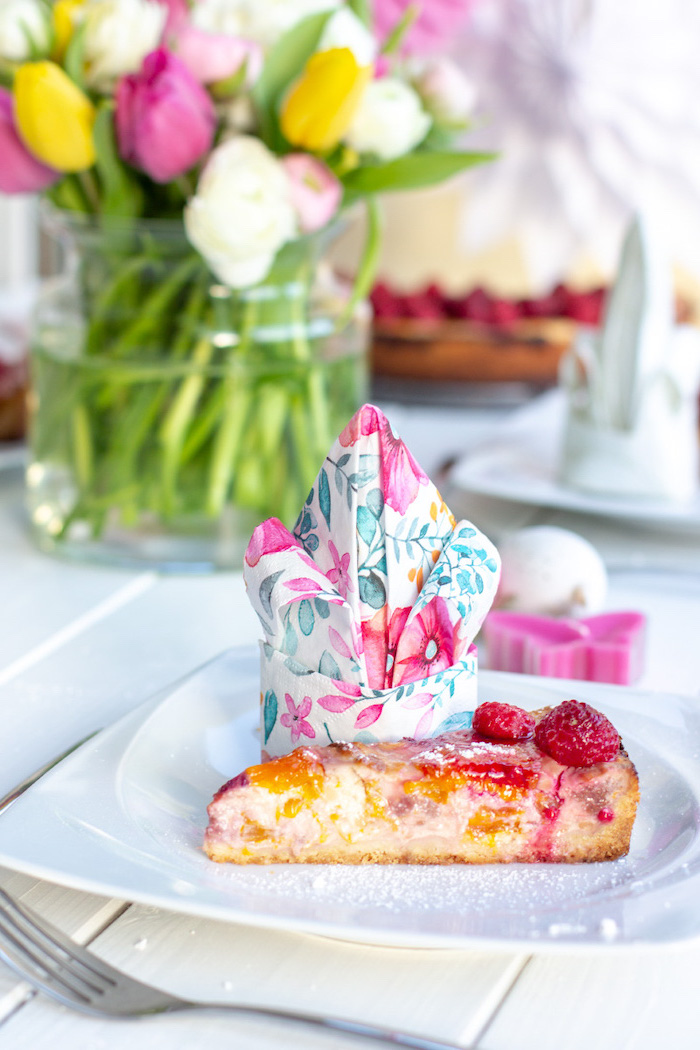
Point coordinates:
[[23, 23], [261, 20], [242, 212], [389, 121], [344, 29], [118, 36]]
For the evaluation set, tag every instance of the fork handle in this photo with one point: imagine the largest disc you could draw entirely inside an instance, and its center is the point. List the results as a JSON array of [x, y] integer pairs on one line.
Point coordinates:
[[338, 1024]]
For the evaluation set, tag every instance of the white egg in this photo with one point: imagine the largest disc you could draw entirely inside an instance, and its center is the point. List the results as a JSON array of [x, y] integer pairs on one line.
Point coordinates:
[[551, 571]]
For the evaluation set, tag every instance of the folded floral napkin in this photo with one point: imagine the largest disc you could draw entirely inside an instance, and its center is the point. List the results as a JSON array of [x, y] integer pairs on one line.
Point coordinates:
[[370, 606]]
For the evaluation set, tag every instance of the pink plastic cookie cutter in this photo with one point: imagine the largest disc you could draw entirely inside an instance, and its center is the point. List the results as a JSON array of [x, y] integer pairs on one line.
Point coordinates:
[[605, 648]]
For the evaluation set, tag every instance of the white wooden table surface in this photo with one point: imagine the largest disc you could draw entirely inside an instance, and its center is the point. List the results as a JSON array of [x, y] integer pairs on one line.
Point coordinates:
[[79, 646]]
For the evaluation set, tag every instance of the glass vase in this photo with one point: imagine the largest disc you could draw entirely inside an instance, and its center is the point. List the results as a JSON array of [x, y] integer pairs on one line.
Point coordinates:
[[170, 414]]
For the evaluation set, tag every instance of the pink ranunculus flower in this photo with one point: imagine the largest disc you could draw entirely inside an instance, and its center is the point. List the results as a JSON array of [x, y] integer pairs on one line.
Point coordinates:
[[213, 57], [434, 28], [294, 718], [316, 192], [20, 171], [165, 119], [270, 537], [427, 644]]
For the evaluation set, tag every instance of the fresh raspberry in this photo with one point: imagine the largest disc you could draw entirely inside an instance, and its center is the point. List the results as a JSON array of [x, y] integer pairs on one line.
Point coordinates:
[[575, 734], [503, 722], [476, 306], [504, 312]]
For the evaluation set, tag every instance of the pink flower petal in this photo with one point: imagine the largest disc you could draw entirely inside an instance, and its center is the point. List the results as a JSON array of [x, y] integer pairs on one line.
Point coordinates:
[[303, 583], [338, 643], [304, 707], [337, 704], [269, 537], [306, 728], [315, 191], [423, 728], [416, 700], [368, 716]]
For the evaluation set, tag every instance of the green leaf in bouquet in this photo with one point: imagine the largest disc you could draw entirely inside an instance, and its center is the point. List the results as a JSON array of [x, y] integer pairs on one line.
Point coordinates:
[[69, 194], [411, 172], [121, 194], [224, 89], [283, 64], [36, 50], [396, 37], [74, 58], [441, 137], [363, 10]]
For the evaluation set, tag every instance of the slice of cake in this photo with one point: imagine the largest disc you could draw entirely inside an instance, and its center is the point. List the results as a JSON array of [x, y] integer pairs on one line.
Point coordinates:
[[554, 785]]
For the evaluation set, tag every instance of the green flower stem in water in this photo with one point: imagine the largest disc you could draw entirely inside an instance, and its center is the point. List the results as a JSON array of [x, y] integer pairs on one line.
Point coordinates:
[[168, 402]]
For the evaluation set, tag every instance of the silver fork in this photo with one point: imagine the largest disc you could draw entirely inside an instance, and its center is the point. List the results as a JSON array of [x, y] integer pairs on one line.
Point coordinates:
[[54, 964]]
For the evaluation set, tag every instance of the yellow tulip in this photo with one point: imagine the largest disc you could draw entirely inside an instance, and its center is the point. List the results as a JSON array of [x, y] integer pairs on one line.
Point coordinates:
[[54, 117], [64, 22], [321, 104]]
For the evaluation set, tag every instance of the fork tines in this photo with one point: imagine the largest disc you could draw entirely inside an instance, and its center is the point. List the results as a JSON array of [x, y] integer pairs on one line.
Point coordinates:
[[43, 953]]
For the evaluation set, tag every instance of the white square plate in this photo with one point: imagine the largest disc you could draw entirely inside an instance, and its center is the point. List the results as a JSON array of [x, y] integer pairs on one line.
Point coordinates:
[[124, 816], [522, 464]]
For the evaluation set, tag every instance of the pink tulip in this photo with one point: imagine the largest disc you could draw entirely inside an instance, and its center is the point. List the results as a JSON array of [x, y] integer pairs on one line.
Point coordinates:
[[165, 119], [20, 171], [210, 57], [178, 13], [315, 191]]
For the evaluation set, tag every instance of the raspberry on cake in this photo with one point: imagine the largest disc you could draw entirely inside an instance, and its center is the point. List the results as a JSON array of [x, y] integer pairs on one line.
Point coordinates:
[[567, 793]]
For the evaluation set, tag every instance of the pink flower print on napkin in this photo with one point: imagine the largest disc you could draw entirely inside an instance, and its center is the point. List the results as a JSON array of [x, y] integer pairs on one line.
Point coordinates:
[[380, 644], [365, 422], [294, 718], [339, 574], [401, 475], [270, 537], [427, 645]]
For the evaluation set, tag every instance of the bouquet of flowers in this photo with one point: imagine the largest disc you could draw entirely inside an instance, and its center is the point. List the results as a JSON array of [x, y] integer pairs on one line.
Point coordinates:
[[201, 152]]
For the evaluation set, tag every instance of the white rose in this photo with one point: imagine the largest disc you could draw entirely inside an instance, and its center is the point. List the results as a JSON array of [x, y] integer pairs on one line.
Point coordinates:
[[242, 212], [23, 23], [344, 29], [261, 20], [118, 36], [447, 92], [389, 121]]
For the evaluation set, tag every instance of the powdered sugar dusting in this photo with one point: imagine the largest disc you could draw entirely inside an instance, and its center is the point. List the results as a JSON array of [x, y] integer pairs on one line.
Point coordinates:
[[562, 903]]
